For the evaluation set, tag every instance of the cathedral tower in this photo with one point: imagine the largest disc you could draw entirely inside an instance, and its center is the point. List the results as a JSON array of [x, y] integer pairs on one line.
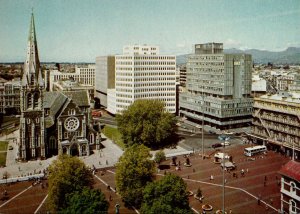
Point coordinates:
[[32, 143]]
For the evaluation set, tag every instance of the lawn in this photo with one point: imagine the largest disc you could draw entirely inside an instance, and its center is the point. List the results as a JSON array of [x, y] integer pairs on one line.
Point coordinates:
[[113, 134], [3, 145], [2, 158]]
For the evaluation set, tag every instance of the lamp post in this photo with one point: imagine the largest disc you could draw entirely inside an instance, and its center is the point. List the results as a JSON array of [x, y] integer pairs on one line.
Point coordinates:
[[202, 134], [223, 138]]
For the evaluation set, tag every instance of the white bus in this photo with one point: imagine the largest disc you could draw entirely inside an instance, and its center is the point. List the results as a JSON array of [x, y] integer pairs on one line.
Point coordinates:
[[250, 151]]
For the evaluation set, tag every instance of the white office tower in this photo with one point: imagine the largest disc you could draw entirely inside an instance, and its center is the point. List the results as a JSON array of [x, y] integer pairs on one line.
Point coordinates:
[[218, 87], [141, 73]]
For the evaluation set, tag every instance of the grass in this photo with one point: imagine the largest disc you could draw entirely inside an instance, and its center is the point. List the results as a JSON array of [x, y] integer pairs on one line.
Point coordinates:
[[113, 134], [2, 158], [3, 145]]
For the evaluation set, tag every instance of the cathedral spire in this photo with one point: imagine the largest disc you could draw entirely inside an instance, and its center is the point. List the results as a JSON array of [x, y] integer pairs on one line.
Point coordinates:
[[32, 70]]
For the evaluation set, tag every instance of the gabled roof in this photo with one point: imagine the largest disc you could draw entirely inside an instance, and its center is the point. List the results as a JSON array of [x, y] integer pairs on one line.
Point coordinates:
[[54, 101], [291, 170], [80, 98]]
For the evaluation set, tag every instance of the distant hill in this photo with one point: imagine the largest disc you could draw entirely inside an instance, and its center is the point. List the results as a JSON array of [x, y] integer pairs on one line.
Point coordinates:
[[289, 56]]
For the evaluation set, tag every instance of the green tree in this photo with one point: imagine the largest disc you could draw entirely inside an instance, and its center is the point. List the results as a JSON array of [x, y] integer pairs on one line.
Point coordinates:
[[133, 171], [168, 195], [146, 122], [85, 202], [66, 175], [159, 157]]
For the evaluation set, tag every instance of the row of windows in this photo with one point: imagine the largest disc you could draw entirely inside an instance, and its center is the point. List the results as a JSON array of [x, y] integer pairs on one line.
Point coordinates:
[[155, 69], [154, 63], [137, 85], [153, 89], [154, 58], [123, 90]]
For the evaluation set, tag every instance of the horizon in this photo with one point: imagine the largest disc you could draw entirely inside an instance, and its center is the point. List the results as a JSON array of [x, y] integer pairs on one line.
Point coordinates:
[[72, 31]]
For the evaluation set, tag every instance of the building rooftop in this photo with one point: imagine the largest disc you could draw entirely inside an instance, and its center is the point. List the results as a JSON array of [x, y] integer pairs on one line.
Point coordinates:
[[292, 97], [292, 170]]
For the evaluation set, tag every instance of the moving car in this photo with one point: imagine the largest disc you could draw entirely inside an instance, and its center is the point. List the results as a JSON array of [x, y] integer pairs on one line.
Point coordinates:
[[216, 145]]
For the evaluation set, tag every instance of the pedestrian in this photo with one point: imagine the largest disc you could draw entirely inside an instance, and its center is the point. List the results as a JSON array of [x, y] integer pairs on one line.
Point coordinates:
[[265, 183], [193, 170], [110, 198], [247, 170], [106, 162], [265, 178], [211, 177]]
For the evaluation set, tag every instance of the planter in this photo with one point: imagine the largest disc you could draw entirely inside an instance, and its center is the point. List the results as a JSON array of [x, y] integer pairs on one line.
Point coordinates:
[[207, 207], [220, 212]]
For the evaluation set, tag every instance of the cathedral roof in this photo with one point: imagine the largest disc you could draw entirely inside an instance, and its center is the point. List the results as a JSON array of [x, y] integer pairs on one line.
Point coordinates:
[[80, 98], [54, 101]]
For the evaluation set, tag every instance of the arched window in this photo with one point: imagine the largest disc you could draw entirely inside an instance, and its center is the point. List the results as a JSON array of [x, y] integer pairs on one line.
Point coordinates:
[[32, 80], [52, 142], [36, 100], [292, 187], [72, 112], [91, 138], [292, 207], [29, 101]]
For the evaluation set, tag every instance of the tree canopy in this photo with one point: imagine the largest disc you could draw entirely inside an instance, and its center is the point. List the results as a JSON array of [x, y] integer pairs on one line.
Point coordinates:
[[133, 171], [146, 122], [85, 202], [66, 175], [159, 156], [168, 195]]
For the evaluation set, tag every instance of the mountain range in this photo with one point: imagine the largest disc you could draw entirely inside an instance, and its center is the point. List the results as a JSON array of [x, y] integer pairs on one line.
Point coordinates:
[[289, 56]]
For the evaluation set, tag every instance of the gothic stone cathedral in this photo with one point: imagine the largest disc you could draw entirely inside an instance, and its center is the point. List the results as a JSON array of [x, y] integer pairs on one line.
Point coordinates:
[[52, 123]]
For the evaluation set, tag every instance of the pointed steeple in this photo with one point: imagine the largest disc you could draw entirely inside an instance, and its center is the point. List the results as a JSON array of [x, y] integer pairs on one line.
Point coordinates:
[[32, 71]]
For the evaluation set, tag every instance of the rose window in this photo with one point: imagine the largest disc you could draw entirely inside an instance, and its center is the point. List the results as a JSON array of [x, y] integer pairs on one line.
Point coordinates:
[[71, 123]]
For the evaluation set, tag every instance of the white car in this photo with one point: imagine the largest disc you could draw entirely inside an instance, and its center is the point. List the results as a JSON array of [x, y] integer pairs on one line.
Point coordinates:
[[226, 143]]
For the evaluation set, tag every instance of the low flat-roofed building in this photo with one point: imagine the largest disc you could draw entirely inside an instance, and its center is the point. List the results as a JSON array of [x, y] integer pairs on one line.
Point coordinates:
[[276, 122]]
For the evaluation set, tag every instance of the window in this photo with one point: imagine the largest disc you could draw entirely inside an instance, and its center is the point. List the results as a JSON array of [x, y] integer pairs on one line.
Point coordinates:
[[293, 187], [292, 207], [36, 100]]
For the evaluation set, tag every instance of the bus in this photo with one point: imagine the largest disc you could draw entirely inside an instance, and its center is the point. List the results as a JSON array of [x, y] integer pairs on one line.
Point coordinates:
[[250, 151]]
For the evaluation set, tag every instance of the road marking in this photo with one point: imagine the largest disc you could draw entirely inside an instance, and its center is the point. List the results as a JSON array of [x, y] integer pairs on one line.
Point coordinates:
[[41, 204], [113, 189], [15, 196], [229, 187], [195, 210]]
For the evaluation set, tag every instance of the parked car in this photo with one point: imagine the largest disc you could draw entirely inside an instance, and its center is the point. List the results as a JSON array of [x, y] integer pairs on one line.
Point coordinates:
[[226, 143], [216, 145]]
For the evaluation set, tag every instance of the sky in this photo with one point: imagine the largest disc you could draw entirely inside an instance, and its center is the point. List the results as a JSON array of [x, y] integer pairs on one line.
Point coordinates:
[[78, 31]]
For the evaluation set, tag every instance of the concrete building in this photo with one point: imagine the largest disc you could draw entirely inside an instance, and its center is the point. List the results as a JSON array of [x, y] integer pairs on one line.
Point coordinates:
[[284, 81], [218, 87], [276, 122], [10, 96], [2, 102], [104, 78], [72, 85], [83, 75], [141, 73], [259, 86], [290, 188]]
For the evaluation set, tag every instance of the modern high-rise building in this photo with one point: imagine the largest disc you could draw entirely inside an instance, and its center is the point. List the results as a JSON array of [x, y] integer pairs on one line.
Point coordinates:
[[218, 87], [141, 73], [104, 78]]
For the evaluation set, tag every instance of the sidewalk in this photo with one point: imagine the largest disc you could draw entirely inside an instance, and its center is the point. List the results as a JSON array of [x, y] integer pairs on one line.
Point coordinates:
[[106, 157]]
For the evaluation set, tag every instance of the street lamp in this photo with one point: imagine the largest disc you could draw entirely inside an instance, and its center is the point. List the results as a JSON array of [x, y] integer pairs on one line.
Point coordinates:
[[223, 138]]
